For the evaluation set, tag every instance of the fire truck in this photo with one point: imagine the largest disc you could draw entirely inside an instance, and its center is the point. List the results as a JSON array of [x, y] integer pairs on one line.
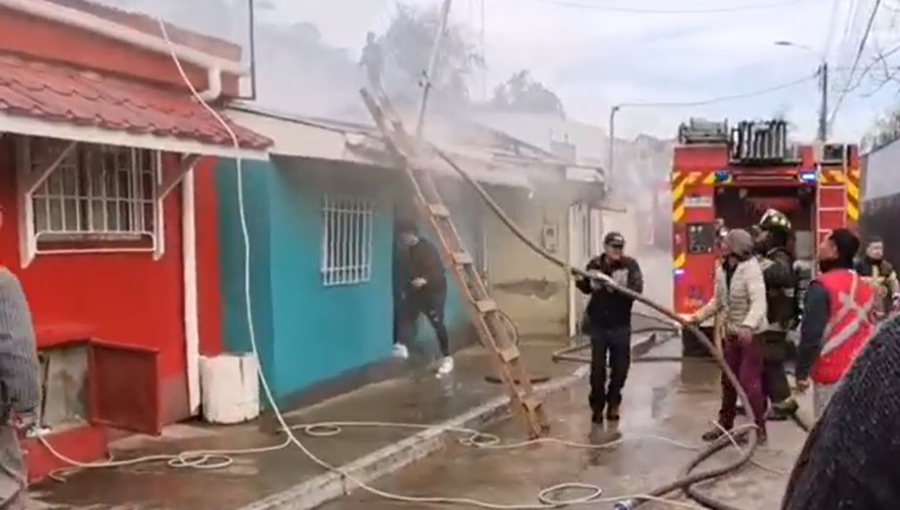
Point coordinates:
[[730, 175]]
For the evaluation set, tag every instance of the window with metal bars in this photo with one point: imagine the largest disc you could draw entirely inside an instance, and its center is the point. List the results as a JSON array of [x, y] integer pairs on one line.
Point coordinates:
[[97, 193], [346, 240]]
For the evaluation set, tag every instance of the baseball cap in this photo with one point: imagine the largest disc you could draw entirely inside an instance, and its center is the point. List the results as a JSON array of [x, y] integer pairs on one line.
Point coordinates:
[[614, 239]]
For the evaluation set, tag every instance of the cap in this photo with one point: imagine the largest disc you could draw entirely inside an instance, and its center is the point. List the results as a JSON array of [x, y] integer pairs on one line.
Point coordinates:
[[740, 241], [614, 239]]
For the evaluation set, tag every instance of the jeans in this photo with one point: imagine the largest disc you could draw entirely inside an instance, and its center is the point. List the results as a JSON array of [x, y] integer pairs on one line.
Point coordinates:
[[432, 307], [612, 345], [746, 361]]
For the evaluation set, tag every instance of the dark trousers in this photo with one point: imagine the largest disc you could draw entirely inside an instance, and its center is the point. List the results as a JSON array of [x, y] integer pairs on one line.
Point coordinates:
[[612, 345], [775, 382], [432, 307], [746, 361]]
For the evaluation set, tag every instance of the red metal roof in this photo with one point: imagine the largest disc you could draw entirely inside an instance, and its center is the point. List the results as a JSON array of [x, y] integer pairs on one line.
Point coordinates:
[[65, 94]]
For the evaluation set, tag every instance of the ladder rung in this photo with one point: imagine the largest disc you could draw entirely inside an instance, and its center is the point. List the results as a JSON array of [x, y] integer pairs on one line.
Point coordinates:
[[486, 305], [439, 210], [462, 258], [532, 403], [509, 354]]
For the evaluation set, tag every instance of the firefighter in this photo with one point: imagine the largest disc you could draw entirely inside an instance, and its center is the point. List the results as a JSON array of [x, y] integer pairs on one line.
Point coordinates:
[[881, 275], [740, 294], [373, 62], [838, 319], [777, 263]]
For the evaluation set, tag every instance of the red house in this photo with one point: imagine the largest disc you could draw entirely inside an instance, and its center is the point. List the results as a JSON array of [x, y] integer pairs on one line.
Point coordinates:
[[108, 211]]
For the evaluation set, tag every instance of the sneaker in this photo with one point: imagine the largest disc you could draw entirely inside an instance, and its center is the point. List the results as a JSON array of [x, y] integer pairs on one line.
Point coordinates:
[[400, 351], [446, 366], [612, 412]]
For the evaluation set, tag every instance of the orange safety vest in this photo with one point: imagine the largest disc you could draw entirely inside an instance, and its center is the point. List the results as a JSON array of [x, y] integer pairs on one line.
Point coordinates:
[[850, 325]]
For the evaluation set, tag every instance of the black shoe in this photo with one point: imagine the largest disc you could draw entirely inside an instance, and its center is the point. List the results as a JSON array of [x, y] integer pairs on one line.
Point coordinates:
[[782, 411], [597, 417], [612, 412]]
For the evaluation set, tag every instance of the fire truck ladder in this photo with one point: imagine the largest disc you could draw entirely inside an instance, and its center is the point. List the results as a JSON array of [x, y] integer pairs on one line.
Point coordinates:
[[839, 209], [493, 331]]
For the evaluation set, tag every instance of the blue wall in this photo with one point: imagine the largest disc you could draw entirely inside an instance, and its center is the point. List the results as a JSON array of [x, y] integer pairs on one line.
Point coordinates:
[[306, 332]]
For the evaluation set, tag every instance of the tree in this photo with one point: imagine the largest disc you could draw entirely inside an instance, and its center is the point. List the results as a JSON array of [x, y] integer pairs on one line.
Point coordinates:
[[408, 44], [521, 93], [885, 131]]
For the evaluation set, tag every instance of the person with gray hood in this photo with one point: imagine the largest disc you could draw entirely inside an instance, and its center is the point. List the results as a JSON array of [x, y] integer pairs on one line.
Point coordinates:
[[740, 296]]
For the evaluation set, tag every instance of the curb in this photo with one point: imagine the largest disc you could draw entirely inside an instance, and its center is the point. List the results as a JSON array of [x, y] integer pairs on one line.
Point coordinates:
[[330, 486]]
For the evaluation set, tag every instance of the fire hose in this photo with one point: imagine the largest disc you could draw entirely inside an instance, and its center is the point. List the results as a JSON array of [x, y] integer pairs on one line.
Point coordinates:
[[689, 478]]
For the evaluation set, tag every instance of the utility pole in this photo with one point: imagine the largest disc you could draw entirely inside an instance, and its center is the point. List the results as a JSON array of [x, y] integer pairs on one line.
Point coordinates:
[[610, 156], [823, 107], [432, 65]]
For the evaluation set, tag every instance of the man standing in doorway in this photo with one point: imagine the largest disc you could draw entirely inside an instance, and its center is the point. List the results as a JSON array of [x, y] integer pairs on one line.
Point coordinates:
[[609, 319], [426, 293], [19, 388]]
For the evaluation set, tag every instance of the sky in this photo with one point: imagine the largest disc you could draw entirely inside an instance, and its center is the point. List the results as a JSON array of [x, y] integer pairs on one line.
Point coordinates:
[[598, 53]]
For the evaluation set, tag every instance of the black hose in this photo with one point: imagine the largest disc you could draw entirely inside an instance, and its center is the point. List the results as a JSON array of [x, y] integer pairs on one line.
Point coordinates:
[[689, 478]]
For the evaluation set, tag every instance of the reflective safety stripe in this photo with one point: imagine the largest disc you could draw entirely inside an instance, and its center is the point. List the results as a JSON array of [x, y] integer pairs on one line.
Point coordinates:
[[849, 305]]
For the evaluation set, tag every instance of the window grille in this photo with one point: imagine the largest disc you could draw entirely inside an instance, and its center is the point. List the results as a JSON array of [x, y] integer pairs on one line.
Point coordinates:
[[346, 240], [97, 192]]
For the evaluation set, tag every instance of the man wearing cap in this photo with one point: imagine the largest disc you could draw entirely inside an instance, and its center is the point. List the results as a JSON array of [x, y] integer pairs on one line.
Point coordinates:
[[740, 295], [838, 319], [609, 323]]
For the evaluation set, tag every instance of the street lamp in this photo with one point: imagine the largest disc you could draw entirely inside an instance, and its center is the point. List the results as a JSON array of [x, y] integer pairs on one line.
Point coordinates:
[[823, 73]]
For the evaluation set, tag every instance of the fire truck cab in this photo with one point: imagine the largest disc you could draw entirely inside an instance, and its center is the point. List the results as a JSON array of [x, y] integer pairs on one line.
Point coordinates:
[[731, 175]]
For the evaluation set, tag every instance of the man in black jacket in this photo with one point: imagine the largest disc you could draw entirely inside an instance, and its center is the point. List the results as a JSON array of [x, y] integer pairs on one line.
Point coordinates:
[[609, 323], [426, 291]]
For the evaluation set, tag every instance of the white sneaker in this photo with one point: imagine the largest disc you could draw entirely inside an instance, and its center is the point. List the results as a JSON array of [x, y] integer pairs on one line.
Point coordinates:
[[400, 351], [446, 366]]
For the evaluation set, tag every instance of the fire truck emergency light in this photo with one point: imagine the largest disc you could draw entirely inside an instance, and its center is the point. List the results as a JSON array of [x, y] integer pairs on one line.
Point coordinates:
[[723, 177], [808, 177]]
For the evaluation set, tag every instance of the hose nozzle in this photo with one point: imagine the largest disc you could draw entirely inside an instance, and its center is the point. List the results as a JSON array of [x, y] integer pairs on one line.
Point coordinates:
[[626, 504]]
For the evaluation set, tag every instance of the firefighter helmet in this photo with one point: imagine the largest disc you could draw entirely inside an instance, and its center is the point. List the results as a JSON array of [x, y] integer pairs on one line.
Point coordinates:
[[774, 219]]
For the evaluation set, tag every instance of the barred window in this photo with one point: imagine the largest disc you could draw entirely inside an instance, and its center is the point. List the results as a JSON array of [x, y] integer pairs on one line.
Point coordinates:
[[97, 193], [346, 240]]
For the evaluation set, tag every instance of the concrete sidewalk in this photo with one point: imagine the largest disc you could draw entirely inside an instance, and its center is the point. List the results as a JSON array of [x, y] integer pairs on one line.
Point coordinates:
[[287, 478]]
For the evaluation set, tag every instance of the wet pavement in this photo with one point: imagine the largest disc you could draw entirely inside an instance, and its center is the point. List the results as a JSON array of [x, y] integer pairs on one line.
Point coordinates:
[[419, 398], [667, 406]]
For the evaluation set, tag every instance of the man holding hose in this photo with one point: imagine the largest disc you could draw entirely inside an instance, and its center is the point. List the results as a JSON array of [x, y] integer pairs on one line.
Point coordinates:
[[740, 295]]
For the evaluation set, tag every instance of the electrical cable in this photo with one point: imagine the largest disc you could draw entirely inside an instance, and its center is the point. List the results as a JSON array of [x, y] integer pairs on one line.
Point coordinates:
[[210, 459], [636, 10], [856, 59]]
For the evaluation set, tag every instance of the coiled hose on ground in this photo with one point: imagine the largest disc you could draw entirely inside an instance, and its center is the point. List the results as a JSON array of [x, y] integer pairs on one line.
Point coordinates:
[[689, 478]]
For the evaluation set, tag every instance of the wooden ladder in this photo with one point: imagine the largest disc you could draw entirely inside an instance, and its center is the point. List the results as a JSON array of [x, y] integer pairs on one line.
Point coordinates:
[[493, 332]]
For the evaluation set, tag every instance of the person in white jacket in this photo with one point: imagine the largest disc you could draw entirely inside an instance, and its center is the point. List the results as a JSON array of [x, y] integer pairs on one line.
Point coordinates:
[[740, 296]]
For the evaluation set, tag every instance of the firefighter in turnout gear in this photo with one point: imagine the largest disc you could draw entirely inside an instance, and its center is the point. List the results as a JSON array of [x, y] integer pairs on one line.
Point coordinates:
[[880, 274], [777, 264]]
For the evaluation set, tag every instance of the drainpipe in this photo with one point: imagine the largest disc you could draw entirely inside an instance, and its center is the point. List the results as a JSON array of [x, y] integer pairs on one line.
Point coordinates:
[[214, 86], [191, 306]]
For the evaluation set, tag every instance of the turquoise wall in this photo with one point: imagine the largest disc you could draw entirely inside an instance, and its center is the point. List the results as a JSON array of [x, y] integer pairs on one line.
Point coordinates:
[[307, 332]]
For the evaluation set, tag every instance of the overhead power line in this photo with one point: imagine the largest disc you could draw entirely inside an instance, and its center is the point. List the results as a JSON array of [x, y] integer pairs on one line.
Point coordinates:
[[856, 59], [722, 99], [637, 10]]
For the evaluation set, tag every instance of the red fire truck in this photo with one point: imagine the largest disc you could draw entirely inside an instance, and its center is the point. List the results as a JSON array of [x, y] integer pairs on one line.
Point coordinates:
[[732, 175]]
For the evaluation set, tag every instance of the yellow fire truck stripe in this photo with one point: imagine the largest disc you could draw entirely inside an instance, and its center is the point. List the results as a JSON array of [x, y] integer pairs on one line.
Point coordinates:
[[679, 261], [678, 183], [852, 183]]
